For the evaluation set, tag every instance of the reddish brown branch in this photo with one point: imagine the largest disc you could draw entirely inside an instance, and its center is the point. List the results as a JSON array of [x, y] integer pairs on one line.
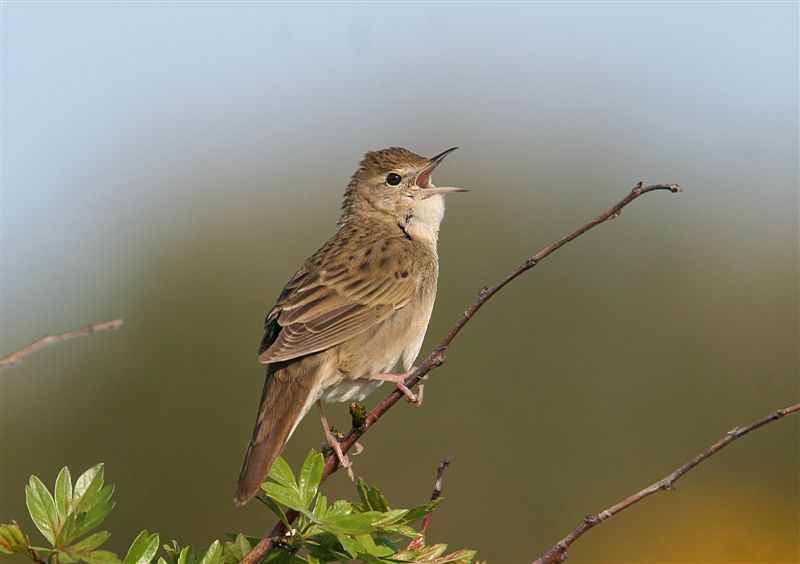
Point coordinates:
[[558, 553], [437, 491], [17, 356], [437, 357]]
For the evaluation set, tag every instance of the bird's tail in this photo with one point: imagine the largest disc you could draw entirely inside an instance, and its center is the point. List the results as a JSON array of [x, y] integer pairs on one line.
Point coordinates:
[[287, 396]]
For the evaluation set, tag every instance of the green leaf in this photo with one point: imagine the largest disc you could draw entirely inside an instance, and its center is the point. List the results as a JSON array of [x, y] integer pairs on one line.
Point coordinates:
[[310, 476], [384, 547], [42, 508], [433, 551], [81, 522], [352, 546], [143, 549], [464, 556], [362, 488], [12, 540], [321, 507], [367, 544], [89, 543], [391, 516], [340, 507], [101, 557], [281, 472], [237, 550], [376, 500], [213, 555], [420, 511], [354, 524], [63, 494], [186, 556], [275, 508], [282, 494], [87, 487]]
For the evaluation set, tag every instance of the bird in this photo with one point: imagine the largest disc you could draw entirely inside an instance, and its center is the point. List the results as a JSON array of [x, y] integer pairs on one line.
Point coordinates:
[[355, 314]]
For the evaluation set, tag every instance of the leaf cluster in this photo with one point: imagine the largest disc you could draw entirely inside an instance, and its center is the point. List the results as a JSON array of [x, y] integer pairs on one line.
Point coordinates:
[[369, 530]]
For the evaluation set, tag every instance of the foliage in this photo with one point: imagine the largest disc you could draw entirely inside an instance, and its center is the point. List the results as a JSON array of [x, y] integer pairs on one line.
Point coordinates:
[[370, 531]]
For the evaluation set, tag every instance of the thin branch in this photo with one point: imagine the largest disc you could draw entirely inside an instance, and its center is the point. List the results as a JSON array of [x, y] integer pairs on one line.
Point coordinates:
[[437, 491], [17, 356], [558, 553], [437, 357]]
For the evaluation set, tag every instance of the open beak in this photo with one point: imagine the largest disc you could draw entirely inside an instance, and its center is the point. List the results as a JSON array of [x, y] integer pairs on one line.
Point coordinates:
[[424, 176]]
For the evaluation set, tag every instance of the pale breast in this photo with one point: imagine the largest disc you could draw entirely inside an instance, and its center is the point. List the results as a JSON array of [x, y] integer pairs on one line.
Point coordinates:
[[391, 346]]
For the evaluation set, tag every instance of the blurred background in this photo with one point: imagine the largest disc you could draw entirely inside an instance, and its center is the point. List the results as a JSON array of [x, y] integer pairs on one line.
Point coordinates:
[[174, 163]]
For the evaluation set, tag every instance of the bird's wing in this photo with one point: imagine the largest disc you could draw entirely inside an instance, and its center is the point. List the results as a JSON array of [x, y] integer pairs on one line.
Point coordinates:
[[336, 296]]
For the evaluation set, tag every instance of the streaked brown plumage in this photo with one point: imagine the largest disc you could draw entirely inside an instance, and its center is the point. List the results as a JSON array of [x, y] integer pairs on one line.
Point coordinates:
[[357, 309]]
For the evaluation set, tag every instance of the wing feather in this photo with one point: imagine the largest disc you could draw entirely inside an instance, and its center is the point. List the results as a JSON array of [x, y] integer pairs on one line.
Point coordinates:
[[336, 296]]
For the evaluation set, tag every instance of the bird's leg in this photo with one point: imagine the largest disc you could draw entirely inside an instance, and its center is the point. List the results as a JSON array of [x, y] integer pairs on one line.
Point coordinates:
[[333, 442], [399, 380]]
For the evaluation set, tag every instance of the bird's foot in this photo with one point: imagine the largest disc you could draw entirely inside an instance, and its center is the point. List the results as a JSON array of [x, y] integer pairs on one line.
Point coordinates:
[[399, 380], [333, 442], [344, 461]]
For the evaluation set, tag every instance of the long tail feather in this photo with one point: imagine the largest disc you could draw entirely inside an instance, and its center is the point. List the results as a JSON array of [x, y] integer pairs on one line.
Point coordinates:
[[287, 396]]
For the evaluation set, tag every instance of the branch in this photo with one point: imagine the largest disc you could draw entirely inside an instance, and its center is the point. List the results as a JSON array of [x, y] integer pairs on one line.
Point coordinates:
[[437, 357], [437, 491], [17, 356], [558, 553]]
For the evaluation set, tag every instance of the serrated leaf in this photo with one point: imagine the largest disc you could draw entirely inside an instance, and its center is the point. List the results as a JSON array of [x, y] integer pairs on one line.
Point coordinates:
[[42, 508], [63, 494], [282, 494], [282, 473], [86, 487], [101, 557], [310, 476], [12, 539], [143, 548], [89, 543]]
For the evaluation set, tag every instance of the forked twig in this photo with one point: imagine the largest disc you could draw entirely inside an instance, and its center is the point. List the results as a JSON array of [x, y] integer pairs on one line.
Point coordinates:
[[17, 356], [437, 357]]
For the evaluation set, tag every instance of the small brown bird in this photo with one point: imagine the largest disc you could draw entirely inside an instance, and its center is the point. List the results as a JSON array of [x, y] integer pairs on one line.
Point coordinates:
[[356, 310]]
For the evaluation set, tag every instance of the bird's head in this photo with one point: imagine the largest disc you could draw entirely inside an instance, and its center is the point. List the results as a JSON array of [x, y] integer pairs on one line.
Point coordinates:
[[395, 185]]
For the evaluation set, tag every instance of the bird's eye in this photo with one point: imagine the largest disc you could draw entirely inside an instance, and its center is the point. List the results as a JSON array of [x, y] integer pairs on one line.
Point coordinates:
[[393, 179]]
